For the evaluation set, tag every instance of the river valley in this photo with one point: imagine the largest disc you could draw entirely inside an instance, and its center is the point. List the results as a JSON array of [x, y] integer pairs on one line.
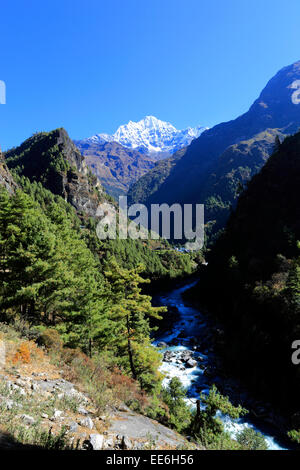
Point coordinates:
[[189, 355]]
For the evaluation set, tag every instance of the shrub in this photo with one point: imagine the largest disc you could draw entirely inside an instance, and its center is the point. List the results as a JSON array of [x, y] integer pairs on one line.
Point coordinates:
[[294, 435], [50, 339], [22, 354], [250, 439], [180, 414]]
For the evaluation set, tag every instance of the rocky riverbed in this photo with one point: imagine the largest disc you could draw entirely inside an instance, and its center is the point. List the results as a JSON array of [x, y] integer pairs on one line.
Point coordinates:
[[189, 353]]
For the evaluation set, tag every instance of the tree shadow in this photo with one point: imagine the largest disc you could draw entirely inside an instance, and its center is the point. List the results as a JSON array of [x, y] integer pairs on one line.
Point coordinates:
[[8, 442]]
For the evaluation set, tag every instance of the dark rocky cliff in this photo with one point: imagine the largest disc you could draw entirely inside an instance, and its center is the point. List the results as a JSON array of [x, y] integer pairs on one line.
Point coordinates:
[[53, 160], [6, 178]]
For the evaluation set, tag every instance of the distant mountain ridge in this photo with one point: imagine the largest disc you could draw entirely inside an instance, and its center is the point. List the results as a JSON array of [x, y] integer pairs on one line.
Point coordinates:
[[230, 153], [115, 166], [149, 136], [119, 160]]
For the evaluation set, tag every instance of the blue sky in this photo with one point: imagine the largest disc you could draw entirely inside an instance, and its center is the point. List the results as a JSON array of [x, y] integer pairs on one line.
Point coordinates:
[[91, 65]]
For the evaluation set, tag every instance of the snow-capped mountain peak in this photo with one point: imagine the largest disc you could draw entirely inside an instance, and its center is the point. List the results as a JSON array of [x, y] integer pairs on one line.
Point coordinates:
[[150, 136]]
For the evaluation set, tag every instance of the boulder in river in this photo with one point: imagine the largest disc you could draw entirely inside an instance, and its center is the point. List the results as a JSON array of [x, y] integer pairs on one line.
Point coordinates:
[[169, 355], [186, 355], [191, 363], [162, 345]]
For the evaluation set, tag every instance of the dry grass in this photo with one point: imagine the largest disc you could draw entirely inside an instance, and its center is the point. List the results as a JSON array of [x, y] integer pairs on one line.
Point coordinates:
[[105, 386]]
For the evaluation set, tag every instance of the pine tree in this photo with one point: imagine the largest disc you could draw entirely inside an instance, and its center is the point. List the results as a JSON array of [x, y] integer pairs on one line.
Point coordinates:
[[27, 244], [206, 424], [48, 276], [180, 414], [292, 291], [129, 312]]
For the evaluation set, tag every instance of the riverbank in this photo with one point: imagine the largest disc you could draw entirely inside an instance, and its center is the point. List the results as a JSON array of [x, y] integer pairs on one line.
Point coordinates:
[[192, 334]]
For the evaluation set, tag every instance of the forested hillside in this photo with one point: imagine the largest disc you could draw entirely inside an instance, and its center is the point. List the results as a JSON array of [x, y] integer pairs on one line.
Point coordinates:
[[50, 278], [252, 281], [51, 161], [142, 190], [81, 299]]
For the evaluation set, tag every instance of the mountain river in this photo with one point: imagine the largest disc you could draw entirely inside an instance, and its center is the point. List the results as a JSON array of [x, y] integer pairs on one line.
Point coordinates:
[[187, 357]]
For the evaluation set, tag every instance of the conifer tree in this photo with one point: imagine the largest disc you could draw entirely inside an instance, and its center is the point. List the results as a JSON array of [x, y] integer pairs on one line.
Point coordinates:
[[292, 290], [48, 276], [129, 312], [180, 413]]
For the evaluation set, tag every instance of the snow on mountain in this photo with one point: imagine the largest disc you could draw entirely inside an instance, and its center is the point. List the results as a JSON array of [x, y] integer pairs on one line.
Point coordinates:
[[150, 136]]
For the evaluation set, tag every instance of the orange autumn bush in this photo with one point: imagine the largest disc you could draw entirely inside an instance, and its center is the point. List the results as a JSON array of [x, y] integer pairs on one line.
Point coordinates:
[[22, 354], [27, 352]]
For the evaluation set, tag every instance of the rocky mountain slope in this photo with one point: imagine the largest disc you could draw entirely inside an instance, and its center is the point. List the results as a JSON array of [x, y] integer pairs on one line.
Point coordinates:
[[6, 178], [252, 280], [229, 153], [42, 408], [142, 190], [150, 136], [115, 166], [52, 159]]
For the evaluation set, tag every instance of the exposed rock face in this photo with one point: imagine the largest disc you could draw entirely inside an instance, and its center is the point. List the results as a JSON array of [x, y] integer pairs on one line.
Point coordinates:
[[214, 164], [115, 166], [52, 159], [124, 429], [96, 441], [6, 178], [135, 427]]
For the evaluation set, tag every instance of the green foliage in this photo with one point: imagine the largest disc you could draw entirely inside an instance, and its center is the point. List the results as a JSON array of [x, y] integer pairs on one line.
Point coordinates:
[[39, 158], [165, 263], [48, 275], [130, 253], [128, 329], [50, 339], [180, 414], [254, 268], [207, 426], [146, 186], [294, 435], [249, 439], [292, 289]]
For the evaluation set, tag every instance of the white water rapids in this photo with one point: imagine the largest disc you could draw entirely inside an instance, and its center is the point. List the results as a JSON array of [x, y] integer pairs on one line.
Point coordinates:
[[191, 324]]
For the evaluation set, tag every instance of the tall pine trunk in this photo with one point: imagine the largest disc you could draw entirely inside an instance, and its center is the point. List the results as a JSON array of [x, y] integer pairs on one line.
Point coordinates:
[[130, 355]]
